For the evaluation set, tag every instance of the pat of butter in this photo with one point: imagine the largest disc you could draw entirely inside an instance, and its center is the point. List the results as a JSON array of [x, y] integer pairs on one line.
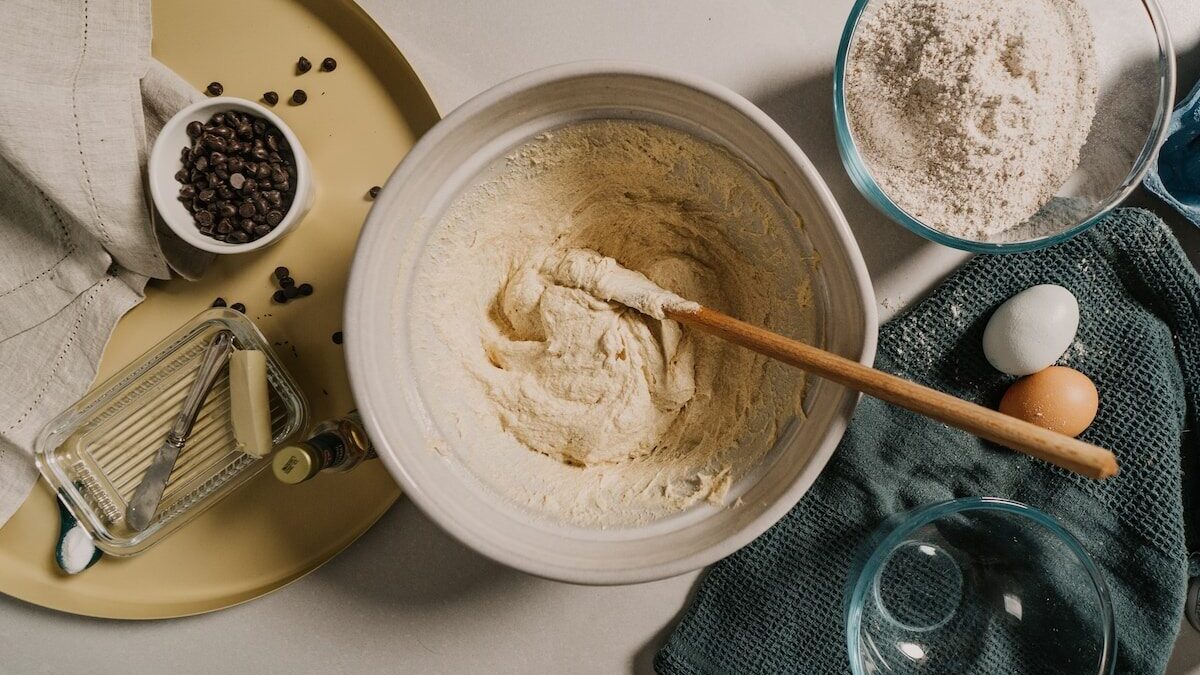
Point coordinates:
[[249, 405]]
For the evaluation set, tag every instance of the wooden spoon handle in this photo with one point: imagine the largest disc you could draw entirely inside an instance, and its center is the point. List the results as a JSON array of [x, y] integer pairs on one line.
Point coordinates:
[[1061, 450]]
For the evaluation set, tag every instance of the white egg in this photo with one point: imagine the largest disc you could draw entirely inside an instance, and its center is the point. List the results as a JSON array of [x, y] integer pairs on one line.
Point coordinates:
[[1031, 330]]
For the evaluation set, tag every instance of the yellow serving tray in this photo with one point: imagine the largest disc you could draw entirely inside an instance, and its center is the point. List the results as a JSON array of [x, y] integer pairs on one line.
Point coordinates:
[[358, 123]]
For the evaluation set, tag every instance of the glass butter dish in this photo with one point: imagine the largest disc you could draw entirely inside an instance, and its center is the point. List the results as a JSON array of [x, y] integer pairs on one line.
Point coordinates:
[[95, 453]]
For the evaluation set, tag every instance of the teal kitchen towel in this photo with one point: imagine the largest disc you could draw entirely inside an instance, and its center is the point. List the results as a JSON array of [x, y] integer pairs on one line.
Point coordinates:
[[776, 605]]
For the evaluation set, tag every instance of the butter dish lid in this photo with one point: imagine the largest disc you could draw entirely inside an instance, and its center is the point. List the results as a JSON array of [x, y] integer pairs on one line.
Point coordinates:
[[95, 453]]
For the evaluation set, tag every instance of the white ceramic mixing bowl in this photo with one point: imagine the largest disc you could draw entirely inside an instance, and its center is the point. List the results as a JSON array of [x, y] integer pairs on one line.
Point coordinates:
[[442, 166]]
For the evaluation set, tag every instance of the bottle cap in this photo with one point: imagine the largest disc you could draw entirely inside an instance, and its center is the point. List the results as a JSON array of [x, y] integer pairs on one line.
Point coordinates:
[[294, 464]]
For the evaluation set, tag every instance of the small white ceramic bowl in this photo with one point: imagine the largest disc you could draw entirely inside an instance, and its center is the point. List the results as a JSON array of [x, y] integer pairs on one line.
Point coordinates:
[[165, 163], [381, 360]]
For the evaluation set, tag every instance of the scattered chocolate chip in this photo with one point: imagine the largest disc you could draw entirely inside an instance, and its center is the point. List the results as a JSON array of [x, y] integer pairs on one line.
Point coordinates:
[[215, 89], [219, 302], [337, 338], [279, 297], [194, 129], [305, 289], [374, 191], [328, 64], [281, 272], [291, 292], [303, 65], [286, 282], [299, 97], [238, 307]]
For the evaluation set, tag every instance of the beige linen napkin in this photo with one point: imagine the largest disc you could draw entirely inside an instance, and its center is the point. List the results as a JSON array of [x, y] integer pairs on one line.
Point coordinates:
[[80, 101]]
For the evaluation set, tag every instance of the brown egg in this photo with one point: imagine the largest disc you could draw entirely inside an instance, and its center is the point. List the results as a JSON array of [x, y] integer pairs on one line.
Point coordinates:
[[1057, 398]]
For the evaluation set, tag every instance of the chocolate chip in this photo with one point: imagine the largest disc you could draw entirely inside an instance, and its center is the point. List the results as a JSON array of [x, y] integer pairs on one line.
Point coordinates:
[[281, 272], [271, 98], [328, 64], [305, 289], [286, 282], [219, 302], [238, 307], [194, 129], [337, 338], [215, 89], [280, 297], [299, 97], [303, 65], [230, 174], [374, 191]]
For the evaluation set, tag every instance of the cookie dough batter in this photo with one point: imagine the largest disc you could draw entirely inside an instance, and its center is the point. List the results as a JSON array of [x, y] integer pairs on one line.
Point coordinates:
[[553, 376]]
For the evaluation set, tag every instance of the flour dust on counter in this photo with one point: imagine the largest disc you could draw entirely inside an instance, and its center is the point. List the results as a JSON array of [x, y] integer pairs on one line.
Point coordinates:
[[543, 351]]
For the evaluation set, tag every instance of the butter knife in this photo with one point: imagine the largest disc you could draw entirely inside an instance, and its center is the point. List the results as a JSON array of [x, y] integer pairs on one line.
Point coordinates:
[[149, 492]]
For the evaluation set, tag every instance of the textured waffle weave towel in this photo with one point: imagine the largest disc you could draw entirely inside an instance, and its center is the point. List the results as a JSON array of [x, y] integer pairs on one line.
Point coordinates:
[[776, 605]]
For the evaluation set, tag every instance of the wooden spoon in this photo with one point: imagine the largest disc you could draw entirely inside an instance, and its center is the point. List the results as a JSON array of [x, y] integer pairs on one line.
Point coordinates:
[[1069, 453]]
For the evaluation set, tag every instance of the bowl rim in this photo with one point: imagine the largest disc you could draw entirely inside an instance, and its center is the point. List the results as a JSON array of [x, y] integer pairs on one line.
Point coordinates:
[[864, 574], [860, 173], [361, 366], [164, 162]]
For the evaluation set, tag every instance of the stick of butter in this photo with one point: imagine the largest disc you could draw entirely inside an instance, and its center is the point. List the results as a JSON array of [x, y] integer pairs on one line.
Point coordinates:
[[249, 406]]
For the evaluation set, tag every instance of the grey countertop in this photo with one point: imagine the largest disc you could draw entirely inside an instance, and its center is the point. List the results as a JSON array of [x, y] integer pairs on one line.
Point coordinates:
[[409, 599]]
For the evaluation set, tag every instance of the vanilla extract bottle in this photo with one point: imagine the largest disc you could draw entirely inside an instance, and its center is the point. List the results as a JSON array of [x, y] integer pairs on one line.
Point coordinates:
[[335, 446]]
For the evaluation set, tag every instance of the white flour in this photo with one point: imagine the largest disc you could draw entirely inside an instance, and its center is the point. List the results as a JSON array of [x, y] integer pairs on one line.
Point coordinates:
[[579, 408], [971, 115]]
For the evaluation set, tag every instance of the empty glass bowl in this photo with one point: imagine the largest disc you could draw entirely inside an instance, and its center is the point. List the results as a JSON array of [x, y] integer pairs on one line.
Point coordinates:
[[978, 585], [1136, 82]]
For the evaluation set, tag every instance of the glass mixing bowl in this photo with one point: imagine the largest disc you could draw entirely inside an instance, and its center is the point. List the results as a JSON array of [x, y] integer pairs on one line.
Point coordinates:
[[1136, 64], [978, 585]]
